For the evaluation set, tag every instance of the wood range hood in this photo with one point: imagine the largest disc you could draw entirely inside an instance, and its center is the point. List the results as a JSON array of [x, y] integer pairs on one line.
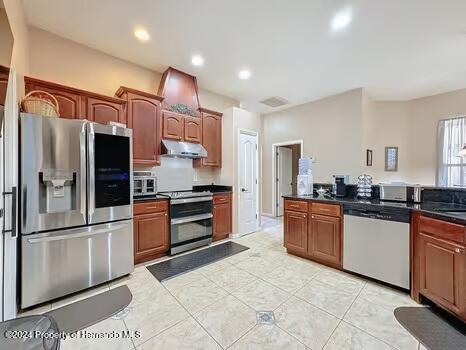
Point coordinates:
[[177, 87]]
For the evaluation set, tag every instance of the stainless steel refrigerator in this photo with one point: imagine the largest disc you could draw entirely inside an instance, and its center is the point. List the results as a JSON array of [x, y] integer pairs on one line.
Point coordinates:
[[75, 206]]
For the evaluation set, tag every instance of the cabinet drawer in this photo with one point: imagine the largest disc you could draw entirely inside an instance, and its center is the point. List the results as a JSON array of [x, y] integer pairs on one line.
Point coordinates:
[[326, 209], [295, 205], [150, 207], [222, 198], [442, 229]]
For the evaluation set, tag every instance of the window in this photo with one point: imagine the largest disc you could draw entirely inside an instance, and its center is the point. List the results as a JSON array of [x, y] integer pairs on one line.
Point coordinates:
[[451, 140]]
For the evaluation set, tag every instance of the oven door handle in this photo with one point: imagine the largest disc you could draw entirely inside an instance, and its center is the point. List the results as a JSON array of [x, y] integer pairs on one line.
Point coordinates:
[[190, 200], [190, 219]]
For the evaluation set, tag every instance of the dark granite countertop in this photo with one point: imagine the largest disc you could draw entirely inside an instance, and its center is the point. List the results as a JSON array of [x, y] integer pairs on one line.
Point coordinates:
[[149, 198], [439, 210], [216, 189]]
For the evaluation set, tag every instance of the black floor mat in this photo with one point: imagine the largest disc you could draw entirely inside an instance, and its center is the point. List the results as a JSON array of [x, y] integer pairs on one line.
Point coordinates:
[[182, 264], [432, 331], [87, 312]]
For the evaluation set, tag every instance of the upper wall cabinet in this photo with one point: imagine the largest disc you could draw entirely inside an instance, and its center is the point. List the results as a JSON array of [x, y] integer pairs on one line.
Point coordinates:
[[79, 104], [144, 117], [69, 101], [192, 129], [173, 126], [211, 139], [103, 111]]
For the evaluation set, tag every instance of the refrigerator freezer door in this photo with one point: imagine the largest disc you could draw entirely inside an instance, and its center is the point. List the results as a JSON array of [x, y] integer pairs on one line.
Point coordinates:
[[110, 173], [58, 263], [53, 173]]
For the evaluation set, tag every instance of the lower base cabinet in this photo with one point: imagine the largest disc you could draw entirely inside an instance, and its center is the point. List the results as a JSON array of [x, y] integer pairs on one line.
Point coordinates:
[[440, 264], [151, 232], [325, 239], [222, 216], [313, 235]]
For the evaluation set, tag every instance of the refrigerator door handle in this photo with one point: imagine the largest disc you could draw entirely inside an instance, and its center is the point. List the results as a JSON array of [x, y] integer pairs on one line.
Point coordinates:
[[82, 171], [91, 170], [82, 234]]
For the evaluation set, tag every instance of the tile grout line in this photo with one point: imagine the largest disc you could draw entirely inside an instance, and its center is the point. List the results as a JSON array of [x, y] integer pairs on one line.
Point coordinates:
[[341, 319], [194, 318]]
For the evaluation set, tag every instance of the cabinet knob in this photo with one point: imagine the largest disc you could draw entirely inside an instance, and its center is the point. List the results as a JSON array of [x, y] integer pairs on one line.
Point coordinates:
[[458, 250]]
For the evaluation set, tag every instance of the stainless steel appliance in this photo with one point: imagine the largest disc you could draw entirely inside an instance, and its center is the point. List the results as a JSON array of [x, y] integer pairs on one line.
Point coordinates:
[[376, 243], [76, 206], [145, 183], [183, 149], [400, 193], [190, 220]]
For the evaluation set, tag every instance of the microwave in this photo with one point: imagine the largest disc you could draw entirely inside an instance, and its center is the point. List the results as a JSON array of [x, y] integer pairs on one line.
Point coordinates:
[[144, 183]]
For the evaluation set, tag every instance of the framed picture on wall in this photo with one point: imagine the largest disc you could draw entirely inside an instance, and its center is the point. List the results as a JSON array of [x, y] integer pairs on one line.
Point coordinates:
[[391, 158], [368, 157]]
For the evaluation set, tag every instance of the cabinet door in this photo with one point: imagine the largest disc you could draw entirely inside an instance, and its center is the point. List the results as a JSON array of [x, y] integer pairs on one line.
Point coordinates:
[[173, 126], [144, 118], [221, 221], [212, 140], [69, 104], [442, 269], [101, 111], [295, 231], [325, 239], [3, 87], [150, 236], [192, 129]]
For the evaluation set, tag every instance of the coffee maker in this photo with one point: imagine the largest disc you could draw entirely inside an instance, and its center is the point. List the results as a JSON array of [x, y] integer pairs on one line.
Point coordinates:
[[339, 185]]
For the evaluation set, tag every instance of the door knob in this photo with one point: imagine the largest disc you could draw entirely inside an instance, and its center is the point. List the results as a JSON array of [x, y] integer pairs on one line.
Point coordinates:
[[243, 190]]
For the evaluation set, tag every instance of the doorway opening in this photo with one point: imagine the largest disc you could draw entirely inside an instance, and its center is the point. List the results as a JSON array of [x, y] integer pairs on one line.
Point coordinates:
[[285, 169]]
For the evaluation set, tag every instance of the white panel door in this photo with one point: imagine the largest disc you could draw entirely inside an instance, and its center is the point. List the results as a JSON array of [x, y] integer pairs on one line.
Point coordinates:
[[247, 167], [285, 175]]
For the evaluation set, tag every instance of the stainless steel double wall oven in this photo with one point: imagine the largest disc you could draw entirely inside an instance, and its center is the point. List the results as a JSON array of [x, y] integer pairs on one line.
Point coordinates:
[[76, 206]]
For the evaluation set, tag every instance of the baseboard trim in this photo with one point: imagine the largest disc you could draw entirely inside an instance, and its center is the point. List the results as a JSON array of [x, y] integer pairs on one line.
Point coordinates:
[[268, 214]]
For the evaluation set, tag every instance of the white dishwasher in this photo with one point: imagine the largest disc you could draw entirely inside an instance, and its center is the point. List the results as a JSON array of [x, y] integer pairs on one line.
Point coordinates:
[[376, 243]]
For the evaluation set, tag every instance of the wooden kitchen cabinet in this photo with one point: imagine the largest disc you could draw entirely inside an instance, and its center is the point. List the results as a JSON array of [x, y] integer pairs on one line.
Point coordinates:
[[104, 111], [439, 271], [211, 139], [150, 231], [70, 102], [192, 129], [4, 74], [144, 117], [296, 231], [325, 239], [173, 126], [222, 216], [314, 230], [80, 104]]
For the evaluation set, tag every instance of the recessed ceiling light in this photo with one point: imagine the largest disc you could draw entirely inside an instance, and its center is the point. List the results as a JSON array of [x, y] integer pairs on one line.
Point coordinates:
[[197, 60], [141, 34], [341, 20], [244, 74]]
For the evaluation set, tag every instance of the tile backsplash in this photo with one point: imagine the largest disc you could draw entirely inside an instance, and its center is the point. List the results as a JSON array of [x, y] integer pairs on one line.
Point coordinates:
[[179, 174]]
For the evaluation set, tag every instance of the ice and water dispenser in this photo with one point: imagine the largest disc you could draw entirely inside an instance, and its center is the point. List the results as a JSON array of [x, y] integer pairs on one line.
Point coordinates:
[[57, 191]]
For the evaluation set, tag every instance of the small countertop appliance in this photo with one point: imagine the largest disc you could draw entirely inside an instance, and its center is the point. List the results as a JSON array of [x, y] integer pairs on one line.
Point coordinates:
[[339, 185]]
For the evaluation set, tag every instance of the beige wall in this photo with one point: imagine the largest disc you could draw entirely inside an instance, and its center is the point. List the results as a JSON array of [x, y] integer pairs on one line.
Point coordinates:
[[6, 39], [20, 54], [331, 130], [63, 61], [337, 130], [425, 113]]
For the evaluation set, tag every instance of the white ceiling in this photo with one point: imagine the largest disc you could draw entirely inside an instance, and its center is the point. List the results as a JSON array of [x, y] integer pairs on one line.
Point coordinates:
[[397, 49]]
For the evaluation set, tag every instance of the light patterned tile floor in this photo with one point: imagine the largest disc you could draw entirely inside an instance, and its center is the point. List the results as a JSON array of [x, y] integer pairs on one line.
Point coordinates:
[[214, 307]]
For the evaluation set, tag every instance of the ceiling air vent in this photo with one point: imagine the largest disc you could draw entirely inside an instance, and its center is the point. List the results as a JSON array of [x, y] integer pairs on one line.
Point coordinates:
[[274, 102]]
